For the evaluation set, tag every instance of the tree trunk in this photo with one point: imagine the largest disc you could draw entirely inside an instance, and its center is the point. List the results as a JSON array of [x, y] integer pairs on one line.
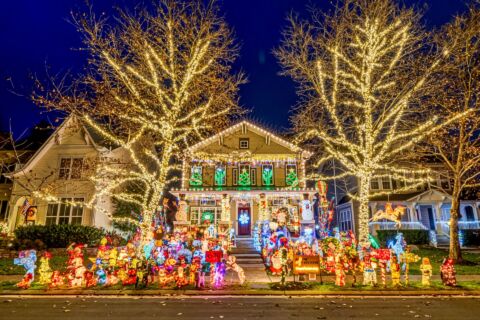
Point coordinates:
[[363, 211], [455, 250]]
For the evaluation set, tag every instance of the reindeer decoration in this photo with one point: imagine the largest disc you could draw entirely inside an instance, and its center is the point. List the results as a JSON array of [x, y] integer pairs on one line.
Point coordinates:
[[391, 214]]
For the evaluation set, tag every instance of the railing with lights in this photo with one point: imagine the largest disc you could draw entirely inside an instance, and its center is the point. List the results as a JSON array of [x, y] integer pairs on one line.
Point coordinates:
[[390, 225]]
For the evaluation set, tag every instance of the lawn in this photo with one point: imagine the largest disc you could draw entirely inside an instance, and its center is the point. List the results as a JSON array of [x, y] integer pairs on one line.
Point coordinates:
[[436, 256]]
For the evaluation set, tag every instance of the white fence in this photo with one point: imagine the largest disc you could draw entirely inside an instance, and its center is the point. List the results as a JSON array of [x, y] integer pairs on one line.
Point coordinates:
[[389, 225]]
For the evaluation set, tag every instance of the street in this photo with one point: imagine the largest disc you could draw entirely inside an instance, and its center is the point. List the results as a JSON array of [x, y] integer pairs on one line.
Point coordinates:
[[251, 307]]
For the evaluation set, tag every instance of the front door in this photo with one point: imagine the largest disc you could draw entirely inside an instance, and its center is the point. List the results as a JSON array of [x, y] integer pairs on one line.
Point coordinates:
[[244, 221], [427, 217]]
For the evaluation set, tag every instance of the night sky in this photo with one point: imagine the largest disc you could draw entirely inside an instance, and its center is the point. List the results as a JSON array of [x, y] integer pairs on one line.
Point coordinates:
[[35, 34]]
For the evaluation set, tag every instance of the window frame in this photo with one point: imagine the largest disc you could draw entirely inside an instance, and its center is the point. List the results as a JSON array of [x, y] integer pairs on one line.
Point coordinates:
[[273, 175], [4, 210], [246, 146], [287, 166], [60, 212], [253, 176], [67, 172]]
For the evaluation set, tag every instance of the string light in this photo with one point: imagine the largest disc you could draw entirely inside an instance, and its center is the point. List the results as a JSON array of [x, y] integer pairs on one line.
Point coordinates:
[[356, 87]]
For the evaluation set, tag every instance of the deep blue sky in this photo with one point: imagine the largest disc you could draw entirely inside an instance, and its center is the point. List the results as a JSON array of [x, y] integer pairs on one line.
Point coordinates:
[[35, 34]]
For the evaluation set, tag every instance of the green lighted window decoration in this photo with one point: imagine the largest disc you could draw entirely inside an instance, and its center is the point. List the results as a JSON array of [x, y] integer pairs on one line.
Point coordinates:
[[220, 176], [196, 176], [244, 176], [267, 175], [207, 216], [292, 178]]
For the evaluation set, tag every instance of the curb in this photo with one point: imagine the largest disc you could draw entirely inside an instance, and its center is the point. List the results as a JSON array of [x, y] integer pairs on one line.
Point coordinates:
[[173, 293]]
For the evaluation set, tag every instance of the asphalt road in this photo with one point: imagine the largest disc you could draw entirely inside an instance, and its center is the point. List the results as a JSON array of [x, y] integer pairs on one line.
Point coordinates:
[[96, 308]]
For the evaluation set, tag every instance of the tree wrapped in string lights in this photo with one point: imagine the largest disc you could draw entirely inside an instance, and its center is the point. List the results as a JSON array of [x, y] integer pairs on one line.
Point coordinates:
[[157, 81], [457, 146], [361, 72]]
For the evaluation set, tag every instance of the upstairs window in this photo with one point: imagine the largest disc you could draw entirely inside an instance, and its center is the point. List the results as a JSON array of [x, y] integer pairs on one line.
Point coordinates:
[[244, 178], [70, 168], [244, 143], [65, 212], [4, 170], [196, 178], [220, 176], [384, 183], [267, 175], [291, 176]]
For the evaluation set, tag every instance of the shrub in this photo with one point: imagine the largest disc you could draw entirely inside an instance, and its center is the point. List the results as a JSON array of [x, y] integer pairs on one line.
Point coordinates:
[[410, 236], [56, 236], [471, 237]]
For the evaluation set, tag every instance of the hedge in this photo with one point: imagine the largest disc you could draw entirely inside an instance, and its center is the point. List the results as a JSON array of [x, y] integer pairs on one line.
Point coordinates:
[[410, 236], [471, 237], [57, 236]]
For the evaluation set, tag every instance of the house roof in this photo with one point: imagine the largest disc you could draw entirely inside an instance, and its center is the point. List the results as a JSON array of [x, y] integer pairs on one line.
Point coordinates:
[[253, 128], [94, 139]]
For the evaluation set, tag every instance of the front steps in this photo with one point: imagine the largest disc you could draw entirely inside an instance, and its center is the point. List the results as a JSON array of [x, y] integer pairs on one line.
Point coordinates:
[[247, 256]]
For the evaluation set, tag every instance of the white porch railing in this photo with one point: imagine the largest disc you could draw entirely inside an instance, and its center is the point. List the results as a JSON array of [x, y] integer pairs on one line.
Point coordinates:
[[444, 226], [389, 225]]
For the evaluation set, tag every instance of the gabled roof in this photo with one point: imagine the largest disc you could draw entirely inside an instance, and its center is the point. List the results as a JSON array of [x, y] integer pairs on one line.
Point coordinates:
[[253, 128], [428, 194], [51, 141]]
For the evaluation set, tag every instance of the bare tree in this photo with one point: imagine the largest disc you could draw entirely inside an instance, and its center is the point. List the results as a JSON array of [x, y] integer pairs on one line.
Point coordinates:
[[361, 70], [457, 146], [158, 80]]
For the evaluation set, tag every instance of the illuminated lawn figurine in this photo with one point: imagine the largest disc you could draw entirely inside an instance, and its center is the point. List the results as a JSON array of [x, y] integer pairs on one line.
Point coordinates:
[[369, 274], [57, 280], [426, 268], [391, 214], [26, 259], [44, 270], [233, 265], [180, 278], [406, 258], [395, 271], [339, 274], [447, 273]]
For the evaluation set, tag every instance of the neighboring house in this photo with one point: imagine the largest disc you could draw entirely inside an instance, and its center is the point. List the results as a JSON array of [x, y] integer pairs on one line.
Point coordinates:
[[240, 176], [427, 208], [55, 180]]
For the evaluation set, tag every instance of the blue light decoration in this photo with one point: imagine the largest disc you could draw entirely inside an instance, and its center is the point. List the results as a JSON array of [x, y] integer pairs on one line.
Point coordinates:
[[244, 219], [432, 235], [461, 238], [256, 238]]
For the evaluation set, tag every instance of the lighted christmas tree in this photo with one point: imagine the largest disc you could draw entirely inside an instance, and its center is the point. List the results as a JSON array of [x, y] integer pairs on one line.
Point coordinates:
[[244, 178], [44, 270], [292, 178], [196, 177]]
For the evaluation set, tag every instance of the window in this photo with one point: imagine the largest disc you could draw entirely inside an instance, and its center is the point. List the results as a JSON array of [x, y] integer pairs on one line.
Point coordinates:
[[199, 215], [3, 179], [196, 176], [243, 143], [291, 178], [244, 178], [65, 213], [220, 176], [446, 212], [386, 183], [345, 219], [3, 210], [70, 168], [267, 175], [383, 183], [235, 176], [253, 176]]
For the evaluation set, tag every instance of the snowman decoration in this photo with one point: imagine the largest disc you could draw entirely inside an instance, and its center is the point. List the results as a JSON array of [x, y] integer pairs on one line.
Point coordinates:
[[307, 213]]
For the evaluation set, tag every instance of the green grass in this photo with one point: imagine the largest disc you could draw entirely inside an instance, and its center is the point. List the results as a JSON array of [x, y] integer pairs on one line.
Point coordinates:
[[58, 262], [436, 257]]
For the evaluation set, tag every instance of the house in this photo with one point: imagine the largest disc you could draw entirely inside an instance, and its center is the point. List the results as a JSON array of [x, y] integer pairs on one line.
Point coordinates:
[[242, 175], [53, 184], [427, 208]]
